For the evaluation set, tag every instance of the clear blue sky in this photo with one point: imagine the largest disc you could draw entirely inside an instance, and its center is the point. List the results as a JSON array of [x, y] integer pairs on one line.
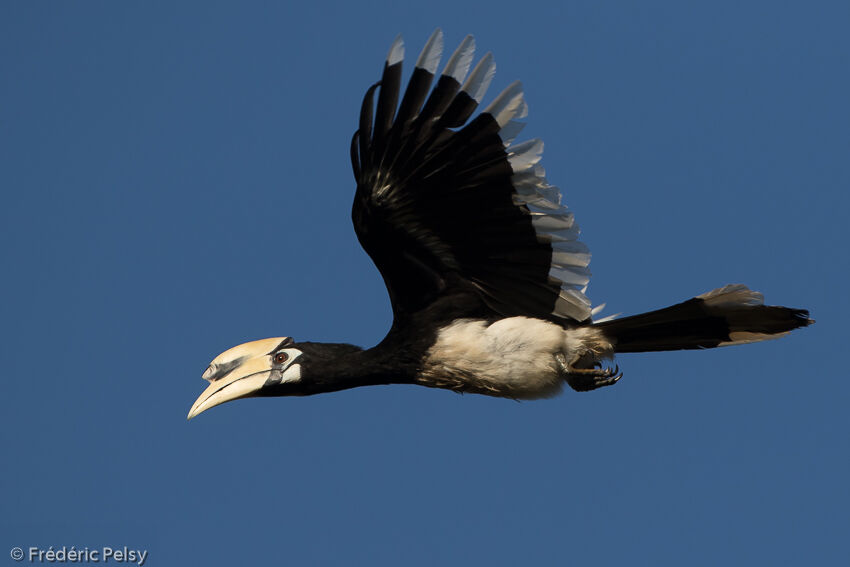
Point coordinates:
[[175, 180]]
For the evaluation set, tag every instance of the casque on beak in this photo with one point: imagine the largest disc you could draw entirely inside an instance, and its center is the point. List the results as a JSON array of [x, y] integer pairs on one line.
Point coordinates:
[[237, 373]]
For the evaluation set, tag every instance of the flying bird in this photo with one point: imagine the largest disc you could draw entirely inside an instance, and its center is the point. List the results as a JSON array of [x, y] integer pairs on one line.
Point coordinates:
[[483, 263]]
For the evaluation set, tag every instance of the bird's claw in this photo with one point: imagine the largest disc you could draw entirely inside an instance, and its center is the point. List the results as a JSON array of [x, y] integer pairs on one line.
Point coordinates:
[[586, 379]]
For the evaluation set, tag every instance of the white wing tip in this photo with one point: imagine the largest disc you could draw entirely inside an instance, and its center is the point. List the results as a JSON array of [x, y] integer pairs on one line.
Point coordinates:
[[478, 82], [430, 56], [460, 61], [508, 105], [396, 54]]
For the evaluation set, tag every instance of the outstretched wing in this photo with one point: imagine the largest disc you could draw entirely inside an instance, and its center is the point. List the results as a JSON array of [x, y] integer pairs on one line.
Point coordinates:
[[444, 201]]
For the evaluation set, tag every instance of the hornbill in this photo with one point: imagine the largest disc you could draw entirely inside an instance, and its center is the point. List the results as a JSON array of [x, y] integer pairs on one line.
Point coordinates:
[[482, 262]]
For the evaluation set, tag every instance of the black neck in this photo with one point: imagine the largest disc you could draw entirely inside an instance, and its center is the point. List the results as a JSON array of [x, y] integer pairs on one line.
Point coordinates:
[[329, 367]]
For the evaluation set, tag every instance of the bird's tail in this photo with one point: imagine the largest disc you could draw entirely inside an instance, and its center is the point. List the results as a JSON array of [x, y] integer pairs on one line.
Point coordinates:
[[730, 315]]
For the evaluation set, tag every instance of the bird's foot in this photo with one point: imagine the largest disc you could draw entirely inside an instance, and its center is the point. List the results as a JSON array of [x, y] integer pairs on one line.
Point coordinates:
[[587, 379]]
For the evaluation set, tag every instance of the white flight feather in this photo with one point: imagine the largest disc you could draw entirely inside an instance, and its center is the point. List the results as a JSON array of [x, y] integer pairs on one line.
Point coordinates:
[[396, 54], [458, 64], [478, 82], [430, 56]]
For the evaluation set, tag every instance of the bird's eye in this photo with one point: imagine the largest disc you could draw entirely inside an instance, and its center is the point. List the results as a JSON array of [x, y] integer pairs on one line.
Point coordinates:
[[281, 357]]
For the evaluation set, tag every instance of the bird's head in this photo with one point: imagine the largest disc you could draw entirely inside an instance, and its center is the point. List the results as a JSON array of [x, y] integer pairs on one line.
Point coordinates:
[[258, 368]]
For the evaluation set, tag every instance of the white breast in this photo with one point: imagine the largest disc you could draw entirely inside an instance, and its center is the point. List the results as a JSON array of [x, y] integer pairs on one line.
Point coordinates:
[[513, 357]]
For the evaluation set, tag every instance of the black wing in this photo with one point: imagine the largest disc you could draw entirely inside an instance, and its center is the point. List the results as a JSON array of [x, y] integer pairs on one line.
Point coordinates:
[[442, 202]]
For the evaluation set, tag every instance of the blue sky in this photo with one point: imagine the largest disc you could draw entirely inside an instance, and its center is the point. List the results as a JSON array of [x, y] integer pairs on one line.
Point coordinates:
[[175, 181]]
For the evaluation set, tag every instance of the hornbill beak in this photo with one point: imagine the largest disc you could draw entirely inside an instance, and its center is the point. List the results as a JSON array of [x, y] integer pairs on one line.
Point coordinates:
[[240, 372]]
